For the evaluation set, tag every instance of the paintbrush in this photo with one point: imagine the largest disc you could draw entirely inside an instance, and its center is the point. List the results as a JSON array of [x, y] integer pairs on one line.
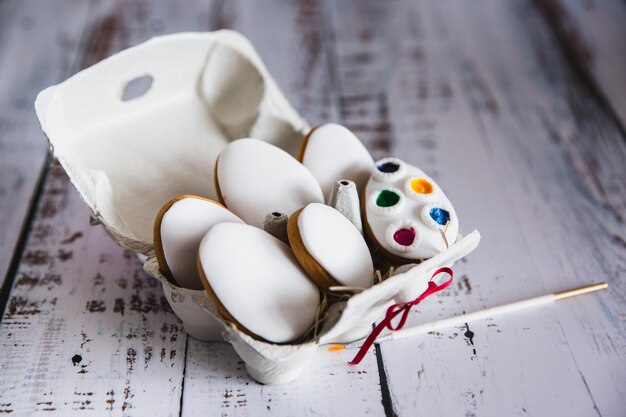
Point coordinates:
[[477, 315]]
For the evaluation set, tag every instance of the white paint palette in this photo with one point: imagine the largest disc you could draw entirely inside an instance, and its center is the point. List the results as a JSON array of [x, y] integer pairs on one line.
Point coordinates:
[[407, 214]]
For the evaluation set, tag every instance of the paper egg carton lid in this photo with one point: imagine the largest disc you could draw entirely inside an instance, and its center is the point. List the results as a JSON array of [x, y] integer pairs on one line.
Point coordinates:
[[127, 157]]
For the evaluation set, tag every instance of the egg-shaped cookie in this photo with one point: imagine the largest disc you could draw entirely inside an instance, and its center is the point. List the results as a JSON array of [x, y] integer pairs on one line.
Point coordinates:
[[179, 227], [332, 153], [254, 178], [330, 248], [256, 283], [406, 214]]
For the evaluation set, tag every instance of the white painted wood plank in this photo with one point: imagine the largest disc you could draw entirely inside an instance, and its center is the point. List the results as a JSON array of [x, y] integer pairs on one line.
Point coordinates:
[[474, 95], [86, 331], [597, 35], [38, 45], [216, 383], [571, 208], [383, 96], [289, 38]]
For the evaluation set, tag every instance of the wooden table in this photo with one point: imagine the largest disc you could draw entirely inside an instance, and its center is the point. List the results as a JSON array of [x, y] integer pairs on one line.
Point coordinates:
[[516, 108]]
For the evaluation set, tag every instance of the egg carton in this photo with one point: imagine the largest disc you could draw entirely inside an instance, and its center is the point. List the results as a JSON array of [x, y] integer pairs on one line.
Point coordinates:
[[146, 125]]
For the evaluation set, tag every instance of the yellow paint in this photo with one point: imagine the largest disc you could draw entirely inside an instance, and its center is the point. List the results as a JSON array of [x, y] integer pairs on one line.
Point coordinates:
[[421, 186]]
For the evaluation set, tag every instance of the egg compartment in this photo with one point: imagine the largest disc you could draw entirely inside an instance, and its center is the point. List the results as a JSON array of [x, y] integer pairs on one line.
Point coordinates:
[[142, 127]]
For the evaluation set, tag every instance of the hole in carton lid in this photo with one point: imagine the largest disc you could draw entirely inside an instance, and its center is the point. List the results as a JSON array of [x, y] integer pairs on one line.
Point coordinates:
[[137, 87]]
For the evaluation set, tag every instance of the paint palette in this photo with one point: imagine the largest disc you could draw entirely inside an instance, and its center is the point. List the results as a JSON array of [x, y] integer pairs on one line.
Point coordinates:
[[406, 214]]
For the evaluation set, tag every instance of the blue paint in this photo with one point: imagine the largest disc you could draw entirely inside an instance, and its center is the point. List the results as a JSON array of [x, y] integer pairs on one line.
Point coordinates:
[[441, 216]]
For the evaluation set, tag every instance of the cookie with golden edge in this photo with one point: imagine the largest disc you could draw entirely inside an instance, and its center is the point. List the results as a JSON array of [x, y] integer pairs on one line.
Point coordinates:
[[179, 227], [216, 183], [254, 178], [330, 248], [332, 153], [256, 283], [221, 309]]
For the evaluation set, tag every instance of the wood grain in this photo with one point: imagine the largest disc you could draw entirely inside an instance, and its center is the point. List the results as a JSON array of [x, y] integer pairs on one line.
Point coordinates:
[[515, 108], [28, 66], [292, 39], [85, 330], [591, 34], [216, 383], [480, 97]]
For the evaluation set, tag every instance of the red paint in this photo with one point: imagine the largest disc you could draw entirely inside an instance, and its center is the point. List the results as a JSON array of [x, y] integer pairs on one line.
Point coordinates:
[[404, 237]]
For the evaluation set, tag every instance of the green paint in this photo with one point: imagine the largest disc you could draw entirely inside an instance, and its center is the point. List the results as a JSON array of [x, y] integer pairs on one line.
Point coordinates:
[[387, 198]]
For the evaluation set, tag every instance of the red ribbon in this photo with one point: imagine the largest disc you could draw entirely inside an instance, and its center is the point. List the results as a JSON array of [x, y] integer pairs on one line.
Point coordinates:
[[404, 309]]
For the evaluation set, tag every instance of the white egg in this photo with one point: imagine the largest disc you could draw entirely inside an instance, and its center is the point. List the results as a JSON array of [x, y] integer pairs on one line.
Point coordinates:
[[255, 178], [406, 212], [332, 153], [258, 281], [336, 245], [179, 227]]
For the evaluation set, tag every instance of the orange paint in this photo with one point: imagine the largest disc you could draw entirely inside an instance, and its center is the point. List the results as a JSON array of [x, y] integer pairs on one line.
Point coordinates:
[[336, 348]]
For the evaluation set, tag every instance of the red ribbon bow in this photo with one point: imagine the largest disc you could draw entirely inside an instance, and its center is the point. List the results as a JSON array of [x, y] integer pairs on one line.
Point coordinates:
[[404, 309]]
